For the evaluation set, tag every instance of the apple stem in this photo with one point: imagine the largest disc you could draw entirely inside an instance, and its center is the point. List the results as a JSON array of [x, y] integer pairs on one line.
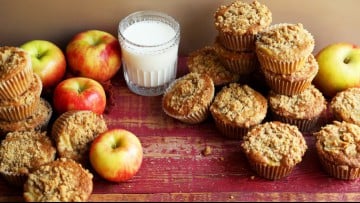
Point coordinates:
[[346, 60]]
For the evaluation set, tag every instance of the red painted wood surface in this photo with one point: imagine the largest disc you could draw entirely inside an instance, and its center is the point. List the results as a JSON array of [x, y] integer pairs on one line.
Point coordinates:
[[175, 169]]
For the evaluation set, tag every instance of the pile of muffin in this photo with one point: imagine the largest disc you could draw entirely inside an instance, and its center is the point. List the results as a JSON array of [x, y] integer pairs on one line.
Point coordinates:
[[282, 54], [50, 164]]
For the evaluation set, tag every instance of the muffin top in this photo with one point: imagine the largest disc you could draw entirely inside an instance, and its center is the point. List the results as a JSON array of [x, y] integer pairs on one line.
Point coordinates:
[[12, 61], [239, 105], [346, 105], [73, 132], [37, 121], [308, 72], [207, 61], [187, 94], [62, 180], [339, 143], [24, 151], [305, 105], [242, 17], [285, 41], [274, 143], [29, 96]]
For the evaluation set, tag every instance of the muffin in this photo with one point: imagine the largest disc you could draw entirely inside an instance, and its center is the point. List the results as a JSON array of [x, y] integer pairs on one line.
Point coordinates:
[[21, 107], [62, 180], [273, 149], [15, 72], [242, 63], [73, 132], [236, 108], [188, 98], [37, 121], [294, 83], [304, 110], [345, 105], [239, 23], [207, 61], [23, 152], [284, 48], [338, 148]]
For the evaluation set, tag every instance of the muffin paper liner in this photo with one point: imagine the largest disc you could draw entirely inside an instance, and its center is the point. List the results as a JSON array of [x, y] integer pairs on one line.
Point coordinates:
[[17, 180], [304, 125], [271, 172], [235, 42], [245, 63], [278, 66], [340, 171], [17, 84], [229, 131]]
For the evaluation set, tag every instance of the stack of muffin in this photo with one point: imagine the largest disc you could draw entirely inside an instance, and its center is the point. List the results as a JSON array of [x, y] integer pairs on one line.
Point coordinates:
[[21, 107], [285, 55]]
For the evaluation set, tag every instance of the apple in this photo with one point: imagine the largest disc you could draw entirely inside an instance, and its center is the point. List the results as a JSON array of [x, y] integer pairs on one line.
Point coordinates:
[[116, 155], [48, 61], [94, 54], [79, 93], [339, 68]]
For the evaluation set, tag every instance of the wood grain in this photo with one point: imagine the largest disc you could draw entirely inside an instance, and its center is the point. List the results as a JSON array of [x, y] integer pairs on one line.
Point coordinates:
[[175, 169]]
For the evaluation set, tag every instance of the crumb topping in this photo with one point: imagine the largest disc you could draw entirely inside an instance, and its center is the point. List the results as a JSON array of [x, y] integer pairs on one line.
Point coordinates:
[[207, 61], [347, 104], [286, 41], [307, 104], [62, 180], [73, 132], [242, 17], [22, 152], [339, 142], [239, 104], [190, 93], [274, 143], [12, 60], [29, 96]]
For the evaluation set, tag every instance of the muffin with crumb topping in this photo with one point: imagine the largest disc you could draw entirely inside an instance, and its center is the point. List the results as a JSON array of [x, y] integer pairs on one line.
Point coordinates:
[[345, 105], [273, 149], [22, 152], [62, 180], [236, 108], [73, 132], [188, 98], [207, 61], [284, 48], [338, 148], [239, 23], [305, 110]]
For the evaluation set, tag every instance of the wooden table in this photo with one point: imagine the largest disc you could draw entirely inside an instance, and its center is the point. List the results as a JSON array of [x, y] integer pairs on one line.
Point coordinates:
[[175, 169]]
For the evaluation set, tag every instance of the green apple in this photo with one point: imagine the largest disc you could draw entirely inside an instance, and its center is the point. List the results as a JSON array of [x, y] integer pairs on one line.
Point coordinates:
[[94, 54], [339, 68], [116, 155], [48, 61]]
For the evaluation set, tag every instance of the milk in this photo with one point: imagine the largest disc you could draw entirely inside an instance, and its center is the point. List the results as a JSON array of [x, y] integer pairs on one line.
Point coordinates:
[[146, 65]]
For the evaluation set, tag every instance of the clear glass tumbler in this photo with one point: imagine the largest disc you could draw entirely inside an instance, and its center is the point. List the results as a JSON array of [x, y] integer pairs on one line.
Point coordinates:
[[149, 43]]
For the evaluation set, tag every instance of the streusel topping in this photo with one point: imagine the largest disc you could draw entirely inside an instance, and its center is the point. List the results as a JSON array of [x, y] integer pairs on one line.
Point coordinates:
[[239, 104], [306, 104], [63, 180], [73, 132], [242, 17], [346, 104], [207, 61], [339, 142], [286, 41], [190, 93], [23, 151], [275, 143], [12, 60]]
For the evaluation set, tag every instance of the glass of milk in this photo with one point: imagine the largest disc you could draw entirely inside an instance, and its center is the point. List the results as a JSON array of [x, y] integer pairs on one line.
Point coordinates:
[[149, 43]]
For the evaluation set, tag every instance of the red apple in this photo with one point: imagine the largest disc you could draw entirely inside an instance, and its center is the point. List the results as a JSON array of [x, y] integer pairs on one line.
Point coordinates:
[[116, 155], [94, 54], [48, 61], [339, 68], [79, 93]]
